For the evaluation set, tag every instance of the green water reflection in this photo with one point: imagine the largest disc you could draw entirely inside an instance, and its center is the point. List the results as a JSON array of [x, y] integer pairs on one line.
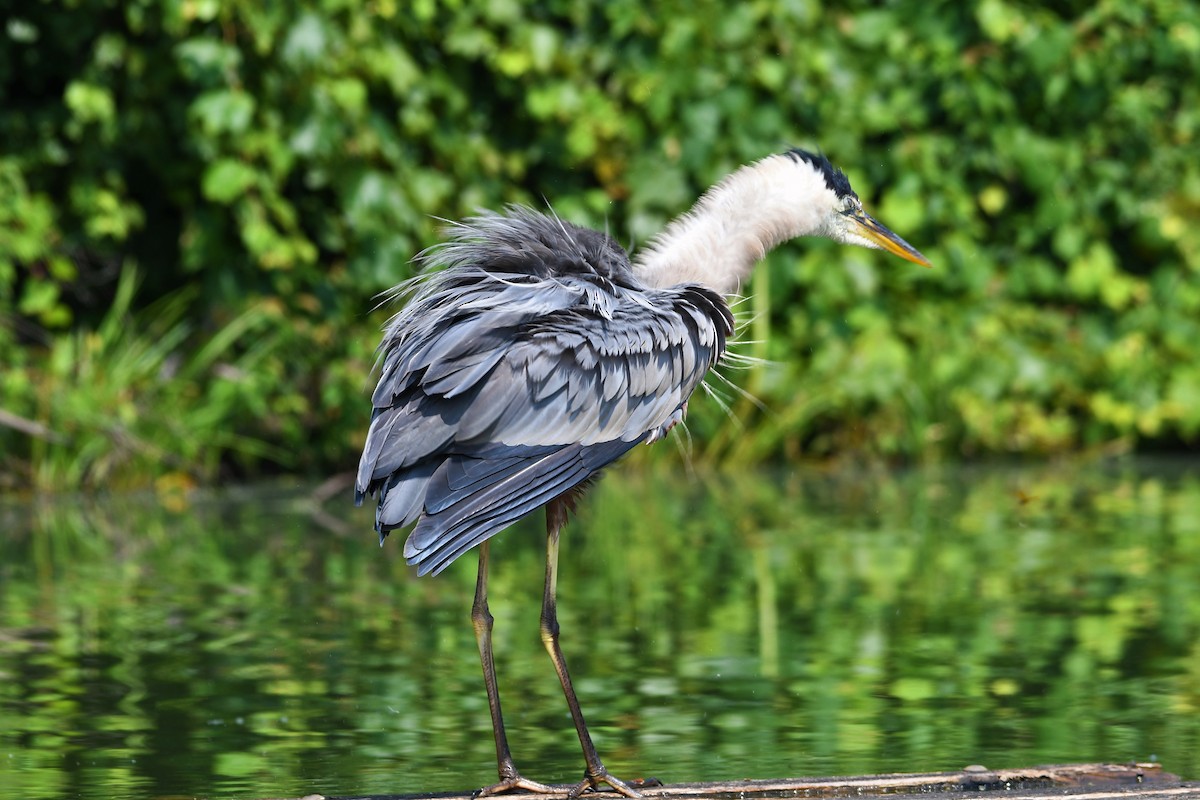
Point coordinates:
[[719, 626]]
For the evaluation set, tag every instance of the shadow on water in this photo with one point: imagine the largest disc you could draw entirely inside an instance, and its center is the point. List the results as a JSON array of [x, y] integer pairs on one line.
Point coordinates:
[[722, 626]]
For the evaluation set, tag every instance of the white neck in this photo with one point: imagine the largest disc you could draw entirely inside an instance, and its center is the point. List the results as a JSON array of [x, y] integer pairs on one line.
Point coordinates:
[[735, 224]]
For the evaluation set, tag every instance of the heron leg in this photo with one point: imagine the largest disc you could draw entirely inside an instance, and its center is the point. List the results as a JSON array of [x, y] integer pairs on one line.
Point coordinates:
[[595, 774], [481, 619]]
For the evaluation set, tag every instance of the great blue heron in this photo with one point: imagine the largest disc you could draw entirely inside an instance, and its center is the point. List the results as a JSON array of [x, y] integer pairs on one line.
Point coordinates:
[[538, 354]]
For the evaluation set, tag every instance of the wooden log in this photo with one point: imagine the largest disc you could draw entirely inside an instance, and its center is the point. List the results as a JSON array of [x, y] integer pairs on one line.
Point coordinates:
[[1077, 781]]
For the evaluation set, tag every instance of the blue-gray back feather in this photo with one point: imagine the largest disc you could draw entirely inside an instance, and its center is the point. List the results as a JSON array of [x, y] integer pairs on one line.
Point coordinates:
[[527, 362]]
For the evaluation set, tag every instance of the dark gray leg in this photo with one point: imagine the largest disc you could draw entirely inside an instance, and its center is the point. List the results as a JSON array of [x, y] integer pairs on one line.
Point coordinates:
[[481, 618], [595, 774]]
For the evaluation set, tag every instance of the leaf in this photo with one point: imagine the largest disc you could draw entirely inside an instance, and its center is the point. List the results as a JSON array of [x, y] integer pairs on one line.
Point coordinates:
[[89, 102], [306, 41], [227, 179], [223, 112]]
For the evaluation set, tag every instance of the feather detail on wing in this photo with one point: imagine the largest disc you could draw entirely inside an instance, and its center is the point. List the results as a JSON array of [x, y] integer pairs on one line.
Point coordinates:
[[502, 391]]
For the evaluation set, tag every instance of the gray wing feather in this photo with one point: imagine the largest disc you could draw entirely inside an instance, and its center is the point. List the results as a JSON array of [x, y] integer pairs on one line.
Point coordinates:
[[403, 498], [501, 391], [453, 378], [398, 438], [444, 535]]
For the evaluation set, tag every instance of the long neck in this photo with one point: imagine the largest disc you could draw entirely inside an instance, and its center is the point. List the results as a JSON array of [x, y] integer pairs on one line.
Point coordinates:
[[734, 225]]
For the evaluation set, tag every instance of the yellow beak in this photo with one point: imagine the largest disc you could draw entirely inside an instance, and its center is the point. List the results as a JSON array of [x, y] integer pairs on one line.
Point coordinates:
[[870, 228]]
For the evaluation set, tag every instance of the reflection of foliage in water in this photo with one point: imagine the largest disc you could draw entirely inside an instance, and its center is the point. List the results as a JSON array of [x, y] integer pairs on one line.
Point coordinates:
[[731, 625]]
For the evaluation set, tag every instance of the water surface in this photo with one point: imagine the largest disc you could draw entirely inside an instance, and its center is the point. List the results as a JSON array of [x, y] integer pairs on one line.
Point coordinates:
[[256, 643]]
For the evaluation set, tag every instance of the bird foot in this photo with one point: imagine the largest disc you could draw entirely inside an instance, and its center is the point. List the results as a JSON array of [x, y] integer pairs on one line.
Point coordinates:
[[512, 783], [592, 782]]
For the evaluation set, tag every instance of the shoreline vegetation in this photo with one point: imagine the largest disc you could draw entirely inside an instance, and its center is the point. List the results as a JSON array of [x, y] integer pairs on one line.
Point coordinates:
[[200, 205]]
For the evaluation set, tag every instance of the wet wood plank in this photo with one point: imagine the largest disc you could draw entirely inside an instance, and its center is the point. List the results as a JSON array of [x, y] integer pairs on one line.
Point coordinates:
[[1077, 781]]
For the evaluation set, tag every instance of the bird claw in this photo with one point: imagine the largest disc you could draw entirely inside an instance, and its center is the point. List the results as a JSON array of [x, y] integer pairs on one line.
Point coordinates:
[[590, 783], [514, 782]]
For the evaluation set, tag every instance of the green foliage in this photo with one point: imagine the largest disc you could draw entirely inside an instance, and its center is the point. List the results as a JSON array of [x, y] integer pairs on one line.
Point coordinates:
[[290, 160], [127, 400]]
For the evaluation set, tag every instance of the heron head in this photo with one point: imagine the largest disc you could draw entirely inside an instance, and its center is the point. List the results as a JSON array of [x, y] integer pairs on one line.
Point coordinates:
[[846, 221], [852, 225]]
